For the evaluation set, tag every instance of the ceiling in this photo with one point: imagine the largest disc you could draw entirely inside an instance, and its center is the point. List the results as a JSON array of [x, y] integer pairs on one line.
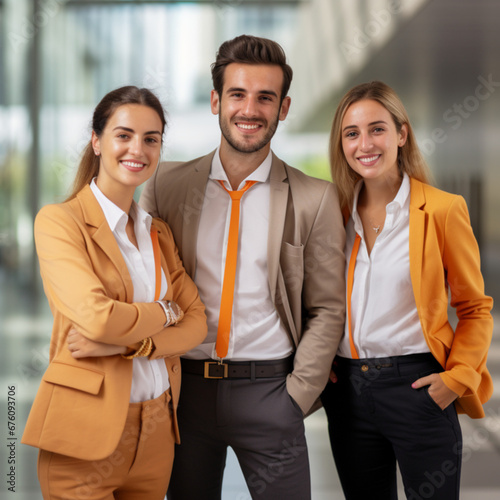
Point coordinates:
[[435, 60]]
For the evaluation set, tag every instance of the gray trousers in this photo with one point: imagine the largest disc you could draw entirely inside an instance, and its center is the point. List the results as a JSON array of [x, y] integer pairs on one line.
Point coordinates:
[[261, 423]]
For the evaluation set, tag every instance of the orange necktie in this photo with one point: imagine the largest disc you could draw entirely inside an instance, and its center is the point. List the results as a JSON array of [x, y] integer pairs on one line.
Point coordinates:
[[226, 302]]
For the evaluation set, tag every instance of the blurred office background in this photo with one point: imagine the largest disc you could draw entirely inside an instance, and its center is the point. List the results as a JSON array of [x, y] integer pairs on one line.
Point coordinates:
[[59, 57]]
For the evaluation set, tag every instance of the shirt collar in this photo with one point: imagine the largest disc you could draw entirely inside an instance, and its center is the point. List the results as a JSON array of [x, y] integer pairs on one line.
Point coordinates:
[[140, 215], [260, 174], [394, 208], [402, 197], [115, 215]]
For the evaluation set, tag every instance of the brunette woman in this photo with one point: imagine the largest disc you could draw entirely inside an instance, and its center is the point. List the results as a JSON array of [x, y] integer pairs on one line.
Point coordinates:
[[104, 417]]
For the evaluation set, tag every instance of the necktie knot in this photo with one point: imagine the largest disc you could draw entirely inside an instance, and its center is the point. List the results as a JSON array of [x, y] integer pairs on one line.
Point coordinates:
[[236, 195]]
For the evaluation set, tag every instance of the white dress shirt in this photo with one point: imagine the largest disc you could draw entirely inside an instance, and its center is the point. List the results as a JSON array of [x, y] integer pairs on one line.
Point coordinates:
[[384, 315], [149, 378], [256, 329]]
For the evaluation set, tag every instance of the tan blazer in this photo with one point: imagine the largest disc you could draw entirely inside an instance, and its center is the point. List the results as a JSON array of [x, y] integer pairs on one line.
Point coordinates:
[[305, 257], [81, 405], [444, 256]]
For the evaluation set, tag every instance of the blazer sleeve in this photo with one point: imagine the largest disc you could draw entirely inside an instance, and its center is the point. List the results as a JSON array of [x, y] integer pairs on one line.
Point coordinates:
[[98, 310], [466, 361], [191, 331]]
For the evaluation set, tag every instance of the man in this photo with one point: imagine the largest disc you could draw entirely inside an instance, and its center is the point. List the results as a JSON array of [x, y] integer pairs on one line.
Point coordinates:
[[270, 270]]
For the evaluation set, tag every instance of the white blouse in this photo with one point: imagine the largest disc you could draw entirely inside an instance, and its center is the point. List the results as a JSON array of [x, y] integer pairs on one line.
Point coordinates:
[[150, 378], [384, 315]]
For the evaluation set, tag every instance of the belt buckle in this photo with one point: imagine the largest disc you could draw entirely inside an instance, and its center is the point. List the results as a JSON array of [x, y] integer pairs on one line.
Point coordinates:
[[207, 369]]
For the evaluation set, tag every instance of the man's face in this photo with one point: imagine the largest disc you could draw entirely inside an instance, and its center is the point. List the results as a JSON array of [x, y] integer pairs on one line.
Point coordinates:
[[249, 108]]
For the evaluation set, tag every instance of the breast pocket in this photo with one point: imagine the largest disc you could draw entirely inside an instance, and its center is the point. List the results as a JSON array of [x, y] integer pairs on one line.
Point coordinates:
[[292, 257], [294, 251], [292, 265]]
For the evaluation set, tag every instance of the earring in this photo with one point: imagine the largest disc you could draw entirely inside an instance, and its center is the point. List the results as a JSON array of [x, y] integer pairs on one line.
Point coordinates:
[[97, 153]]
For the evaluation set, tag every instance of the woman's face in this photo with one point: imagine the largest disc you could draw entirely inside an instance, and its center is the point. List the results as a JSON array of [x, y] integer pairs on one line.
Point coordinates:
[[370, 140], [129, 148]]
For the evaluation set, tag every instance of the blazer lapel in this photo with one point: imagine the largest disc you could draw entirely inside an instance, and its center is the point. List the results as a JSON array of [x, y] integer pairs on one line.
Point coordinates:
[[417, 233], [277, 214], [195, 195], [103, 237]]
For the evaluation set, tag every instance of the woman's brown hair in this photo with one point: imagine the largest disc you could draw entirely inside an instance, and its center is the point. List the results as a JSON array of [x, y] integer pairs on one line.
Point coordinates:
[[89, 164]]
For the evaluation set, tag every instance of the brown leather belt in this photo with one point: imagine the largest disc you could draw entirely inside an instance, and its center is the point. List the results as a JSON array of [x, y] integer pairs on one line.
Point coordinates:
[[238, 369]]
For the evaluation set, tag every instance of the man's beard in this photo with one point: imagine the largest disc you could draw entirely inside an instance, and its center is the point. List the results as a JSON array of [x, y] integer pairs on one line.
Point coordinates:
[[241, 146]]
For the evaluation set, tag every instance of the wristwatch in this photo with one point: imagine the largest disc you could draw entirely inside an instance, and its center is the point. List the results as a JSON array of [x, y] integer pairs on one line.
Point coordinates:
[[172, 311]]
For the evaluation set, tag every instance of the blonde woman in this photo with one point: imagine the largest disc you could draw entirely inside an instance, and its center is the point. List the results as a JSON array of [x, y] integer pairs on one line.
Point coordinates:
[[402, 372]]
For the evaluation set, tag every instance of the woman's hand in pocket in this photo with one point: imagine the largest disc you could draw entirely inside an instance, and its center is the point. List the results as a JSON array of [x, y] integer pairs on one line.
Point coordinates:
[[438, 391]]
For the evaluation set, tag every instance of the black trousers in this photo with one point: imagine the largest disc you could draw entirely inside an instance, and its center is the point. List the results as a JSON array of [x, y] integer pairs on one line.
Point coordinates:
[[375, 418], [262, 424]]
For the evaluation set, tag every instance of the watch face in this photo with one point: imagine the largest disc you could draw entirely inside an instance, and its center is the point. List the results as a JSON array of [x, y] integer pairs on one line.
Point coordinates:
[[174, 309]]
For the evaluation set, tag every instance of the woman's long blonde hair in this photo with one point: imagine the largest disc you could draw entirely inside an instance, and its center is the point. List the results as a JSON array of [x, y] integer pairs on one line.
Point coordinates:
[[89, 164], [410, 159]]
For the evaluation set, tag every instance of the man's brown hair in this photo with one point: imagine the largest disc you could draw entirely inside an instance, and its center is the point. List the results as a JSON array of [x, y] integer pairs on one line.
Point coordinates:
[[247, 49]]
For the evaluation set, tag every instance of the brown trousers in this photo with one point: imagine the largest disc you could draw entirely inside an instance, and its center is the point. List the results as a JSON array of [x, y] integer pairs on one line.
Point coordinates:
[[139, 468]]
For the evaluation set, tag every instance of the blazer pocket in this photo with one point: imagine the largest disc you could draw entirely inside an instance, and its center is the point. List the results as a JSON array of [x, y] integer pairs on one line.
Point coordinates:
[[82, 379], [292, 265], [293, 250]]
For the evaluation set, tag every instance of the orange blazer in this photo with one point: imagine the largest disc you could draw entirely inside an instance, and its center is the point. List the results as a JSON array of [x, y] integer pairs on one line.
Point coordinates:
[[81, 405], [444, 257]]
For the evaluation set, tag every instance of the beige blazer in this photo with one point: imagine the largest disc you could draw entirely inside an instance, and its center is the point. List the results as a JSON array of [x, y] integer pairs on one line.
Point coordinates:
[[444, 257], [81, 405], [305, 257]]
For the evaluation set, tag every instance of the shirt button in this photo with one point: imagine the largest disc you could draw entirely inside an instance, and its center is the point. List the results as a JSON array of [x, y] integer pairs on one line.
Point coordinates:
[[364, 368], [175, 368]]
